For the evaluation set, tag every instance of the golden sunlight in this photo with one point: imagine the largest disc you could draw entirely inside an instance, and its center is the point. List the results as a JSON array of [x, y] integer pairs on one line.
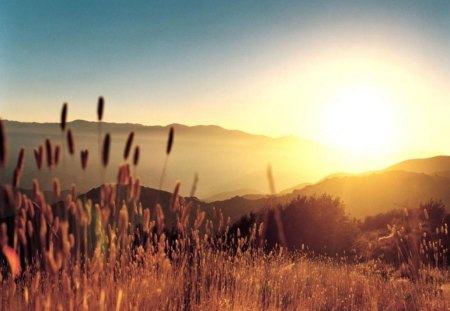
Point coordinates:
[[360, 118]]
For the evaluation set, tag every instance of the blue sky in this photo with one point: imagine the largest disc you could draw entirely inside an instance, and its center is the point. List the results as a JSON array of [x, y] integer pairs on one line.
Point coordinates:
[[204, 62]]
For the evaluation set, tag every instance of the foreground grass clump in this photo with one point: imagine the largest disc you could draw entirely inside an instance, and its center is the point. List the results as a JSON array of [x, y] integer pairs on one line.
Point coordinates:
[[217, 281]]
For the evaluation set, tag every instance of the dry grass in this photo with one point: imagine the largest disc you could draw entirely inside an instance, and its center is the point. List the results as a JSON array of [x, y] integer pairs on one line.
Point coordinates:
[[217, 281]]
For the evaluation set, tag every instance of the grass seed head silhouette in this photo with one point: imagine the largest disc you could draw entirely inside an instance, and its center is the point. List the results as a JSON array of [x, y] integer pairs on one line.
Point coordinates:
[[20, 159], [170, 141], [168, 150], [174, 200], [3, 145], [18, 171], [105, 150], [129, 143], [16, 178], [70, 142], [100, 107], [57, 154], [49, 152], [63, 117], [84, 155], [136, 156], [38, 156]]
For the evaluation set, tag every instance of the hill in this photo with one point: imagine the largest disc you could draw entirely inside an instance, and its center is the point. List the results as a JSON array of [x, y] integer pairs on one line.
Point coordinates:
[[225, 160], [406, 184], [439, 165], [247, 193], [382, 191]]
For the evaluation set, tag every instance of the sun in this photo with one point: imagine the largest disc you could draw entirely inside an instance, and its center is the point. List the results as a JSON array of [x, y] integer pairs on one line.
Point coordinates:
[[360, 118]]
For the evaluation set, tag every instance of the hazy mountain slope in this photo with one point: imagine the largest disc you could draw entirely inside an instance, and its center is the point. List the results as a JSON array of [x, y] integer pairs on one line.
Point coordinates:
[[364, 194], [224, 159], [292, 189], [228, 160], [433, 165], [229, 194], [382, 191]]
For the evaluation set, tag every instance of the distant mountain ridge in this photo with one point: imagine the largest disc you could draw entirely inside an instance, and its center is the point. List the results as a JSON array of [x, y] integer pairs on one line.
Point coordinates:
[[363, 194], [247, 193], [228, 160], [433, 165], [225, 160], [374, 192]]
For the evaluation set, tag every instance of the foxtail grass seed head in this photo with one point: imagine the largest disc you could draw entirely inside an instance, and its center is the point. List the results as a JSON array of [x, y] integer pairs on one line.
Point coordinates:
[[174, 200], [63, 117], [100, 106], [160, 218], [186, 212], [136, 156], [13, 260], [146, 220], [16, 178], [57, 154], [101, 303], [38, 156], [105, 150], [130, 187], [199, 219], [128, 145], [123, 219], [70, 142], [124, 174], [56, 188], [3, 145], [36, 188], [49, 152], [20, 159], [84, 158], [119, 299], [170, 141]]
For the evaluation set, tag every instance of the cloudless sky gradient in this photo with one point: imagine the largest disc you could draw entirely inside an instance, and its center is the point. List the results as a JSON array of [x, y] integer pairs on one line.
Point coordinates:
[[269, 67]]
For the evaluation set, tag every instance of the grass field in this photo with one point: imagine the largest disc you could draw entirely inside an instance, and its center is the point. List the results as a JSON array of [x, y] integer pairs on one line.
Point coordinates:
[[218, 281]]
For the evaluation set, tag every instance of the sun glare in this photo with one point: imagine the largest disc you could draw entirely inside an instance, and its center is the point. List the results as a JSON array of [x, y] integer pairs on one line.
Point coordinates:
[[360, 118]]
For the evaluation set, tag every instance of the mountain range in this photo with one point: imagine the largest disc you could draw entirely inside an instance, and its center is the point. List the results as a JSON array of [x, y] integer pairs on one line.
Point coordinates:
[[363, 194], [232, 167], [225, 160]]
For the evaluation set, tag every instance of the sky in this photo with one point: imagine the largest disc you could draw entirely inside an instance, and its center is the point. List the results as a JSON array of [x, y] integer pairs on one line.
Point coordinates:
[[364, 75]]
